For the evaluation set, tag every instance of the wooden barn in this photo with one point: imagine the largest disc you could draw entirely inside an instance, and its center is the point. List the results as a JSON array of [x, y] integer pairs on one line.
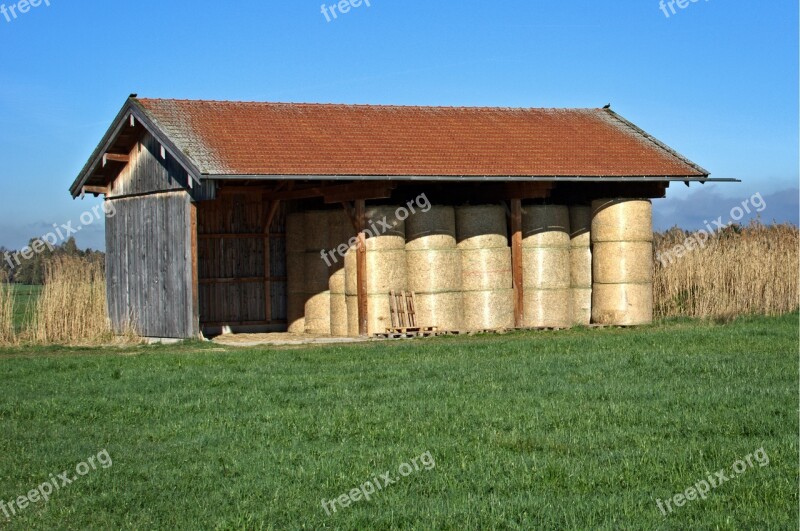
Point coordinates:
[[352, 219]]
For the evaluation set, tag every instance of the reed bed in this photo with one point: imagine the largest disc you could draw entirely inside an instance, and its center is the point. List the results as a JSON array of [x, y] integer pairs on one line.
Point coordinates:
[[72, 306], [8, 335], [739, 271]]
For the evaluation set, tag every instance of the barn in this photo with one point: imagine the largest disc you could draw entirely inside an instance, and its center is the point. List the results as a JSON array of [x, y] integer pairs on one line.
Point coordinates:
[[352, 219]]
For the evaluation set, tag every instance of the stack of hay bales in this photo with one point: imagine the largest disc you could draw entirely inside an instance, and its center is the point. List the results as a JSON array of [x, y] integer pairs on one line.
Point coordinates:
[[295, 265], [488, 293], [580, 220], [317, 273], [622, 243], [341, 230], [386, 270], [434, 265], [546, 266]]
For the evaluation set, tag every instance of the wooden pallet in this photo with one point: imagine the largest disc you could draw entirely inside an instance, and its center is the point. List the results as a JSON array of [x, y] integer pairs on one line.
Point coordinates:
[[402, 309], [407, 333]]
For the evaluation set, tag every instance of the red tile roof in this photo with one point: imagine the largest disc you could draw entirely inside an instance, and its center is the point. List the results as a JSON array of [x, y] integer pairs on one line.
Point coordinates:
[[233, 138]]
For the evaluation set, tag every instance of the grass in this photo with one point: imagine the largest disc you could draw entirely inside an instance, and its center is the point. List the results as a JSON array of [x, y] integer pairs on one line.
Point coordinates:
[[580, 429]]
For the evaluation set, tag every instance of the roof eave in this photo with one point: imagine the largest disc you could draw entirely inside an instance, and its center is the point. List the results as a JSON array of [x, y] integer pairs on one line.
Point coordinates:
[[470, 178], [131, 108]]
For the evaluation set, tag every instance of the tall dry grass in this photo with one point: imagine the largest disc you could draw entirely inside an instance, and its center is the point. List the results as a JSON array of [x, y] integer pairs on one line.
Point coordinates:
[[740, 271], [72, 306], [7, 333]]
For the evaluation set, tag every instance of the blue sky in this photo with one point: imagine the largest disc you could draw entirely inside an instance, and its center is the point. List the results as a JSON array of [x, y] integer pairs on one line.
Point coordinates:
[[718, 80]]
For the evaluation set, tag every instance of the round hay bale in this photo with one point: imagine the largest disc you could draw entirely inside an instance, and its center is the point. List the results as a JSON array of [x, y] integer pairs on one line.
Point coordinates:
[[580, 267], [352, 315], [442, 310], [386, 271], [622, 220], [548, 308], [545, 226], [295, 272], [481, 227], [318, 314], [434, 271], [336, 282], [580, 226], [622, 304], [582, 306], [379, 317], [339, 322], [317, 230], [316, 273], [623, 262], [295, 233], [340, 231], [545, 268], [486, 269], [434, 229], [489, 310], [295, 313], [380, 238]]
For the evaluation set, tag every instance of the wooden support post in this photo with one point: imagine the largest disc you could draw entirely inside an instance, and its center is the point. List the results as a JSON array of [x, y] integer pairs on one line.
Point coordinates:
[[269, 217], [516, 262], [195, 310], [361, 268]]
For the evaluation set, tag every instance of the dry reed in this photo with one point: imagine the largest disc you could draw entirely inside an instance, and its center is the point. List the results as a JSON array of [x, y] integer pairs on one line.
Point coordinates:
[[72, 305], [739, 271], [7, 333]]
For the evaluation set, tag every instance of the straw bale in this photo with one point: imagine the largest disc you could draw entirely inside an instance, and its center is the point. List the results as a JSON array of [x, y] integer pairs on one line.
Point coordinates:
[[339, 322], [295, 312], [549, 308], [296, 272], [316, 273], [582, 306], [379, 317], [545, 226], [435, 229], [379, 238], [318, 314], [546, 268], [622, 304], [489, 310], [317, 230], [386, 271], [623, 262], [443, 310], [481, 227], [580, 224], [620, 220], [336, 282], [434, 271], [486, 269], [295, 233], [580, 267]]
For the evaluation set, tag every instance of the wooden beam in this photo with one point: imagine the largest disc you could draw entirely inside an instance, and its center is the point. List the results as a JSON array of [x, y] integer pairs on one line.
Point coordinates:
[[529, 190], [361, 269], [350, 192], [349, 210], [516, 262], [195, 311], [115, 157], [268, 219], [95, 190]]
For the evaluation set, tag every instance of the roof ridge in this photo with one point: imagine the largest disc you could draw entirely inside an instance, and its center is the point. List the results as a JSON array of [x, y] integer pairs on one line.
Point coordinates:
[[370, 105]]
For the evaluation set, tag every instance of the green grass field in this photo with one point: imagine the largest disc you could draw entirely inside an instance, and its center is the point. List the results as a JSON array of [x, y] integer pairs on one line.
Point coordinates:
[[581, 429]]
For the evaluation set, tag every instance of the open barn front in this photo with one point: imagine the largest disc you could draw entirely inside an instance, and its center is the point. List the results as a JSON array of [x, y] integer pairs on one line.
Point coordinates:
[[241, 253]]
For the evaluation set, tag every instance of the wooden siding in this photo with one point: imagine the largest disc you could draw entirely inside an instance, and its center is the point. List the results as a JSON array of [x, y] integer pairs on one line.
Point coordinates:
[[147, 172], [149, 265], [239, 283]]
